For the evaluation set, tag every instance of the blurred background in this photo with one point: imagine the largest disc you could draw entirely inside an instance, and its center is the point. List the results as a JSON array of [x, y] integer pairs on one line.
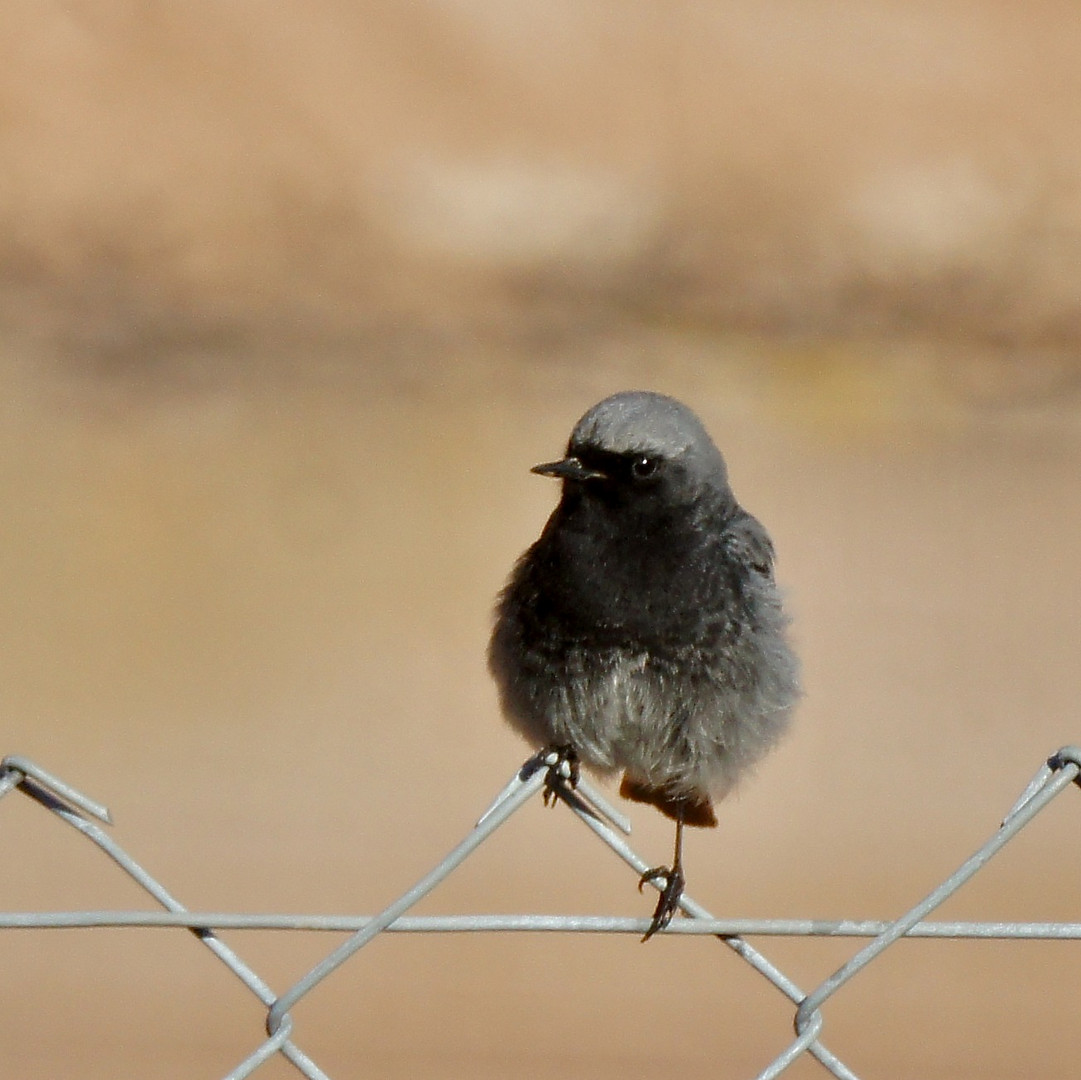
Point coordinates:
[[291, 298]]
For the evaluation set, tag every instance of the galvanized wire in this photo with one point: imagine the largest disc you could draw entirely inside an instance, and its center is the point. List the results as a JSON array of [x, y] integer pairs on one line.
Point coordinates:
[[543, 924], [607, 823]]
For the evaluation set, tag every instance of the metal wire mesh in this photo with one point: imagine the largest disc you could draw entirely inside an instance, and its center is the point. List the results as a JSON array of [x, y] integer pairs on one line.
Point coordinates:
[[610, 827]]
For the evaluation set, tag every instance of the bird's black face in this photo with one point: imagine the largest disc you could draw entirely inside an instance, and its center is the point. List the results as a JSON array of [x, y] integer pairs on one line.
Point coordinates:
[[635, 477]]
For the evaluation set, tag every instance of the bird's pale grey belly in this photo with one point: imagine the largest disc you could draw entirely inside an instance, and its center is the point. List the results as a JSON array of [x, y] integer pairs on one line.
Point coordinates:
[[689, 730]]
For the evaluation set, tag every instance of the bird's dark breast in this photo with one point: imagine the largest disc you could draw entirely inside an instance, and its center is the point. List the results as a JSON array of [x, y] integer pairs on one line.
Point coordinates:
[[660, 583], [580, 631]]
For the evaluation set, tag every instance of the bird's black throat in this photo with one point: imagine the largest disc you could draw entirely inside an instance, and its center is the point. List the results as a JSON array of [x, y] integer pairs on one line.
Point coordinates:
[[629, 569]]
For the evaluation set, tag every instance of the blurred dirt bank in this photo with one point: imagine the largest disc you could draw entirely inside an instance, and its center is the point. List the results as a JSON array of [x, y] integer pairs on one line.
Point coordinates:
[[331, 167], [292, 298]]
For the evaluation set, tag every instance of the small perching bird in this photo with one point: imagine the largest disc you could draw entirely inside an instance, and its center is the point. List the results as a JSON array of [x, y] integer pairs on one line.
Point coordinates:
[[643, 632]]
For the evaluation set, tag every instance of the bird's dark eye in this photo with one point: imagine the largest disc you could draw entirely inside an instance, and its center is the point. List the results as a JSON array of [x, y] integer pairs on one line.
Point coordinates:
[[644, 468]]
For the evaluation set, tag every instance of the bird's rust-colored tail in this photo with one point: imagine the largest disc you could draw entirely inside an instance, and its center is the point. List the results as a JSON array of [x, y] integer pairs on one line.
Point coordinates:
[[694, 810]]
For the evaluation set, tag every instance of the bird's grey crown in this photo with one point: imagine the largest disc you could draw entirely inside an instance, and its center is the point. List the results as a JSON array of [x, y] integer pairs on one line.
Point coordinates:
[[643, 422]]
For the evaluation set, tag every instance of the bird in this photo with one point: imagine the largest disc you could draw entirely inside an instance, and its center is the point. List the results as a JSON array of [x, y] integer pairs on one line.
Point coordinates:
[[643, 633]]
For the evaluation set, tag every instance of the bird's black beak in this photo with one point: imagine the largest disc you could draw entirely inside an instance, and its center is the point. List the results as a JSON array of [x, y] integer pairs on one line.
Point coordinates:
[[570, 468]]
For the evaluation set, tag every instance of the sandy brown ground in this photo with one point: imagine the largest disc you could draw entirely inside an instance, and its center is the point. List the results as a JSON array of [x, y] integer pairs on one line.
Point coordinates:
[[248, 610], [292, 296]]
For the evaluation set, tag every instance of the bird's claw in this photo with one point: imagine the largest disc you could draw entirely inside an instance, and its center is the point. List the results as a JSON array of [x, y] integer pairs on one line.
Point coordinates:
[[563, 771], [668, 901]]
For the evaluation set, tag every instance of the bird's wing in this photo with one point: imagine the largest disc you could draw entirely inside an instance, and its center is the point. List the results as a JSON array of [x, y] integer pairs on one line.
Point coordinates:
[[750, 541]]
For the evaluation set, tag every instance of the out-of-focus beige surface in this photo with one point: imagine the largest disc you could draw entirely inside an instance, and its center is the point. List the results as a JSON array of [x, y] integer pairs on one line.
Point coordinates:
[[331, 167], [251, 616], [291, 298]]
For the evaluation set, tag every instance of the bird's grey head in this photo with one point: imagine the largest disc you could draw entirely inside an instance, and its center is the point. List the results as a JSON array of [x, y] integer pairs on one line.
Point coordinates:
[[639, 437]]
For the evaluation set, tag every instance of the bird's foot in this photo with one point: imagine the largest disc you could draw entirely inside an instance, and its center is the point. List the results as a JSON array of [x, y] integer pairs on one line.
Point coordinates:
[[668, 901], [563, 771]]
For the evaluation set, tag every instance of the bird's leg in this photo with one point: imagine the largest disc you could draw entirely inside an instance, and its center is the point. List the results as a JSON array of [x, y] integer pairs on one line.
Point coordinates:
[[668, 901], [563, 770]]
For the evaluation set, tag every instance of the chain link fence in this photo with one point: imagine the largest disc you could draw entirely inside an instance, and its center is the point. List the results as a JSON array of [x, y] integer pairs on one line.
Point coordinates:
[[611, 828]]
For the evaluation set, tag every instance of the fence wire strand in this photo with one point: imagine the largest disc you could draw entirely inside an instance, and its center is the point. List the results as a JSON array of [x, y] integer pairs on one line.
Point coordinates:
[[610, 826]]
